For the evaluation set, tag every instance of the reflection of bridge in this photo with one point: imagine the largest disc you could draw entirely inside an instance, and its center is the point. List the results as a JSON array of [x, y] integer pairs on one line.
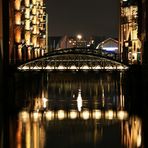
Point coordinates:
[[75, 59]]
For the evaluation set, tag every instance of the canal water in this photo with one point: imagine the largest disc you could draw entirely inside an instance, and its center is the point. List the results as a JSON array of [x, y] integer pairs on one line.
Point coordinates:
[[73, 110]]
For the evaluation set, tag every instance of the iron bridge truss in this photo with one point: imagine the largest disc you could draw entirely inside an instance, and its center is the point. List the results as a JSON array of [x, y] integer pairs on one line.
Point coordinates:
[[75, 59]]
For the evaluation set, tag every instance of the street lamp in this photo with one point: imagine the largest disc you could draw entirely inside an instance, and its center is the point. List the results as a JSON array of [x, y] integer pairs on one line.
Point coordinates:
[[79, 36]]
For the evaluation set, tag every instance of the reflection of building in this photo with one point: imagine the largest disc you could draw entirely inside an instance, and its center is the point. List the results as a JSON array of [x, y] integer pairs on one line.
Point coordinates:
[[132, 133], [30, 133], [27, 29], [130, 45]]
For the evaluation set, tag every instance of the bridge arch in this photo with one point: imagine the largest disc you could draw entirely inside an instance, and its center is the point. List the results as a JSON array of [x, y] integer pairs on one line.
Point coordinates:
[[75, 59]]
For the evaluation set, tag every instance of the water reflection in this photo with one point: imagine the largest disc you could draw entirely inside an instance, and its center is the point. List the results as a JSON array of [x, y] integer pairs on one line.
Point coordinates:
[[70, 110], [32, 127], [30, 131], [133, 132], [79, 101]]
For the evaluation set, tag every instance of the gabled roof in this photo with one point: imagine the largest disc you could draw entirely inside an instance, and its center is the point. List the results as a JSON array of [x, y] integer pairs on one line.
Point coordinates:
[[110, 42]]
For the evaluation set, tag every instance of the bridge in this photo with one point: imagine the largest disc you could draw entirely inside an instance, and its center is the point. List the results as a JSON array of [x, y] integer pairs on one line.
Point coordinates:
[[75, 59]]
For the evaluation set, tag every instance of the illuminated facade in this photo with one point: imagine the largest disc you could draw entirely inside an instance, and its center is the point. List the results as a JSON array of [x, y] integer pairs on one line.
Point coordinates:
[[130, 45], [28, 30]]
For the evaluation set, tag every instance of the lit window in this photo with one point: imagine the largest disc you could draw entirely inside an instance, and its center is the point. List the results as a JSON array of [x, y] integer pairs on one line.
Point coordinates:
[[27, 3], [18, 18], [18, 35], [17, 4], [34, 20], [33, 2], [34, 29], [34, 10], [27, 38], [27, 13], [34, 40], [27, 24]]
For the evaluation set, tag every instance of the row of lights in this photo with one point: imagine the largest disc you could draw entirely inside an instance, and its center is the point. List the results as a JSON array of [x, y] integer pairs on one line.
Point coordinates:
[[61, 67], [74, 114]]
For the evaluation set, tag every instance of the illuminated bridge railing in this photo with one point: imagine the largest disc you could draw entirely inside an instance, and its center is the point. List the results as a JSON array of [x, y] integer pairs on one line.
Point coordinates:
[[75, 59]]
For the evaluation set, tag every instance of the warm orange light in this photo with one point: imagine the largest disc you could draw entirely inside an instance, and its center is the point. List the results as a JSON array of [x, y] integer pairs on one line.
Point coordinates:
[[34, 40], [79, 36], [17, 4], [27, 38], [18, 34], [29, 53], [19, 52], [18, 18]]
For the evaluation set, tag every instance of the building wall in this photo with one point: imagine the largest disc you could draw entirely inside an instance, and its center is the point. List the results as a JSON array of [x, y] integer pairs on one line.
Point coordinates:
[[130, 43], [27, 30], [143, 28]]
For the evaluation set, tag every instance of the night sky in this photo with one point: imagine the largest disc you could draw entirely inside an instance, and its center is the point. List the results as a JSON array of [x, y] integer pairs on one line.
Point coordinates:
[[88, 17]]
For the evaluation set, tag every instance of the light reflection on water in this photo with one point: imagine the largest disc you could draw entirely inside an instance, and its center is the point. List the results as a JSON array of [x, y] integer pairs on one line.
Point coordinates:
[[34, 128], [76, 111]]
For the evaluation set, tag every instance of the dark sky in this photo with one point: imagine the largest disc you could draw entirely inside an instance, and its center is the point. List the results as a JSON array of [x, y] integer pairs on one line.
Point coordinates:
[[88, 17]]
